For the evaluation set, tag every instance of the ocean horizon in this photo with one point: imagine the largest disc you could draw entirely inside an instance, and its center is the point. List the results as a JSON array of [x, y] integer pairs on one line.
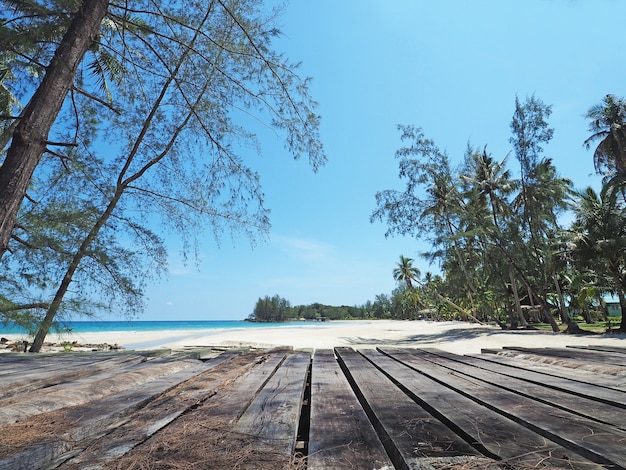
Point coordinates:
[[97, 326]]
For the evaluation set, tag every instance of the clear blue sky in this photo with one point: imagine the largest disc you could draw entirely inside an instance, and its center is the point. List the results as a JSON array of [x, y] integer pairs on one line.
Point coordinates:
[[452, 67]]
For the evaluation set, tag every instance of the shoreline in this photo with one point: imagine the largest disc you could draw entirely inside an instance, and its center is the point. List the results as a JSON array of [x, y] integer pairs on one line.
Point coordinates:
[[454, 337]]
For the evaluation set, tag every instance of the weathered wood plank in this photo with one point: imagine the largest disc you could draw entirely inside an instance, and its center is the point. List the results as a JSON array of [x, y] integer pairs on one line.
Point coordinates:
[[11, 364], [583, 388], [408, 431], [494, 434], [164, 409], [598, 347], [341, 436], [582, 372], [595, 441], [579, 355], [152, 353], [203, 437], [190, 417], [271, 420], [75, 425], [86, 389], [608, 412], [27, 379]]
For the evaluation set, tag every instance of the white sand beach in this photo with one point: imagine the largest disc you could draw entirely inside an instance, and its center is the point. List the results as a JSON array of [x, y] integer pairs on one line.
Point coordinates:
[[455, 337]]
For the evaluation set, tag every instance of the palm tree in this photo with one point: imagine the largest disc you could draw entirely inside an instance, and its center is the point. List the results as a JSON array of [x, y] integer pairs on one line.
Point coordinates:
[[608, 126], [487, 186], [546, 195], [406, 272], [491, 180], [600, 240]]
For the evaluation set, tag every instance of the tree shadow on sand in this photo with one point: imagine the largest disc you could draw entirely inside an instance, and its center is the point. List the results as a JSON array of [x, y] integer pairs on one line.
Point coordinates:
[[452, 335]]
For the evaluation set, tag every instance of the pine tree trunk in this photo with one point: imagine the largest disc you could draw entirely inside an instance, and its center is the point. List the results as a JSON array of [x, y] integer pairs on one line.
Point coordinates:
[[122, 183], [44, 326], [31, 134]]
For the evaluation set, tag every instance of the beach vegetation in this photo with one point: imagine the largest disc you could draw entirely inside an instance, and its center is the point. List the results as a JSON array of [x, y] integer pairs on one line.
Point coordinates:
[[272, 309], [278, 309], [599, 239], [68, 346], [151, 130], [607, 124], [406, 272], [401, 304], [506, 252]]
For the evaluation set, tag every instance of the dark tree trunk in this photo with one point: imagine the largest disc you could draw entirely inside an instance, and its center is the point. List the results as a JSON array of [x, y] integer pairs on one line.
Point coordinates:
[[618, 282], [513, 316], [46, 324], [586, 313], [547, 314], [622, 304], [565, 318], [574, 329], [31, 134], [518, 306]]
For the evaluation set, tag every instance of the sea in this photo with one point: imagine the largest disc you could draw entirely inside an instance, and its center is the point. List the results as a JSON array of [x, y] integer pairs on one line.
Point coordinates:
[[140, 326]]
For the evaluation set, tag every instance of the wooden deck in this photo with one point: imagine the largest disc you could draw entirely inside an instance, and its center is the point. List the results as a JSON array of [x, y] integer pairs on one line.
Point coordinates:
[[343, 409]]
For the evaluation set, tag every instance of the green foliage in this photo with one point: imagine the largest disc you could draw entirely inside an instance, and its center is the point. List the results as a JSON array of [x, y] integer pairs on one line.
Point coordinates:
[[153, 133], [608, 128], [278, 309], [498, 240], [406, 272], [53, 224], [403, 304], [530, 132], [272, 309], [408, 304]]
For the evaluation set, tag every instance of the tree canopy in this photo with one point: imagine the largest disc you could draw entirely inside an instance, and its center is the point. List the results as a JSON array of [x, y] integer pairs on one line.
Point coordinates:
[[499, 240], [151, 130]]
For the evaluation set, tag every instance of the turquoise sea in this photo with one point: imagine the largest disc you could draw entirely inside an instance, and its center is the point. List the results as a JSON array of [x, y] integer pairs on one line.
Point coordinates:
[[100, 326]]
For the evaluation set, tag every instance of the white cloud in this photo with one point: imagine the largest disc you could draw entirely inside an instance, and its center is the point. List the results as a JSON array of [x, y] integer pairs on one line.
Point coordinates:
[[307, 250]]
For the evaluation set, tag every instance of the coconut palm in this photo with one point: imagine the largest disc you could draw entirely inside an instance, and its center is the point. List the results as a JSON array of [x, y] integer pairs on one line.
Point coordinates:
[[491, 180], [599, 235], [487, 188], [546, 196], [608, 127], [406, 272]]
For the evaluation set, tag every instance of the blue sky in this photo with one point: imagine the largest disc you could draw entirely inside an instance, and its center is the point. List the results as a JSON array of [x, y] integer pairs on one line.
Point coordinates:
[[452, 67]]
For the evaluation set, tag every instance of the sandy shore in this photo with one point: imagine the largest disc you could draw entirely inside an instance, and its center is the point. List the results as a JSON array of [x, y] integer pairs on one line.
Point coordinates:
[[456, 337]]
